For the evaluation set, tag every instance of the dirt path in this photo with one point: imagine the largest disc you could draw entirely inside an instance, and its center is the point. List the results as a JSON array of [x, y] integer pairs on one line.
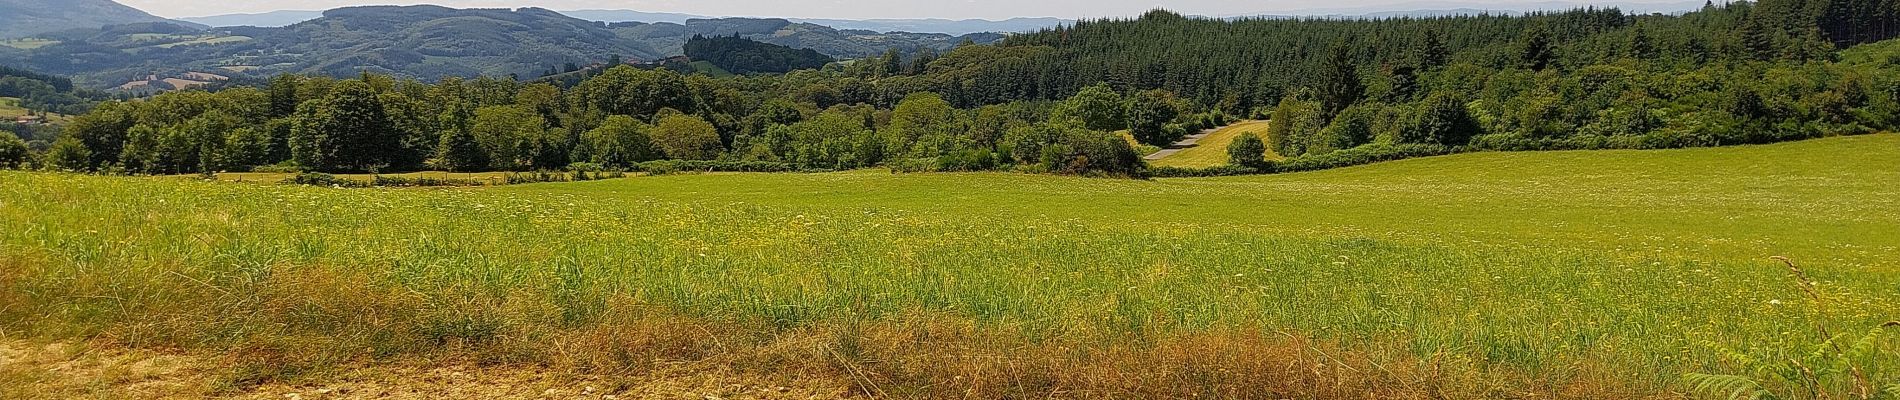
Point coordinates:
[[1185, 143]]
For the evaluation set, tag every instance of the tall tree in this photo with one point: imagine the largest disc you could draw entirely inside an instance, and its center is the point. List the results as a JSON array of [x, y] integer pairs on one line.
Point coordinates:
[[1431, 50], [1535, 50], [1641, 47], [13, 151], [1149, 113], [347, 131], [687, 137], [1755, 40], [1098, 107], [1339, 84]]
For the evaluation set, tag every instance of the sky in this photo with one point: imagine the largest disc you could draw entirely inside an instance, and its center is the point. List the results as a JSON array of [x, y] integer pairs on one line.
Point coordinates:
[[851, 9]]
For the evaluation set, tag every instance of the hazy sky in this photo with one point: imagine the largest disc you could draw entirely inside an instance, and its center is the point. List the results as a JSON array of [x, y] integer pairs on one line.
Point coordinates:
[[852, 9]]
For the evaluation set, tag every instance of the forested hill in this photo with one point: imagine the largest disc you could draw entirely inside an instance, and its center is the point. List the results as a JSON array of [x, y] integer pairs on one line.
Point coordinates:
[[20, 18], [1266, 58], [427, 42], [745, 56]]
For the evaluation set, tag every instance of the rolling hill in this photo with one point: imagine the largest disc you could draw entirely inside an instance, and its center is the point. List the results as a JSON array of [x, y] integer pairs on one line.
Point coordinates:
[[23, 18], [273, 19], [427, 42]]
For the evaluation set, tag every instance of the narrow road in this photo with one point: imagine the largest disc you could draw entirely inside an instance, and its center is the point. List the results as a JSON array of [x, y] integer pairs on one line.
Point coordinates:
[[1186, 143]]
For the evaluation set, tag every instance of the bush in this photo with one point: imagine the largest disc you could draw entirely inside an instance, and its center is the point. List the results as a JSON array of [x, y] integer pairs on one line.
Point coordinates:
[[1149, 117], [664, 167], [687, 137], [967, 160], [556, 176], [1295, 124], [13, 152], [1357, 156], [1441, 119], [1224, 170], [285, 167], [393, 181], [323, 179], [1247, 151], [1086, 152]]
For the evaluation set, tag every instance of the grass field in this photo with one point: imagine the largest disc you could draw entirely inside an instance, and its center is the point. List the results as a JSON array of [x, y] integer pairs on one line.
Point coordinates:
[[28, 44], [1212, 150], [10, 109], [709, 69], [1603, 274]]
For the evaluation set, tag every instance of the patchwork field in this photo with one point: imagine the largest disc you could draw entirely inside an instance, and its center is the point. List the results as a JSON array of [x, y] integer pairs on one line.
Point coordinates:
[[1603, 274]]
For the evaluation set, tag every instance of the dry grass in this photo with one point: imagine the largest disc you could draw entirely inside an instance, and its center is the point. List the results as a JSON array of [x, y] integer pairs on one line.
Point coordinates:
[[342, 333]]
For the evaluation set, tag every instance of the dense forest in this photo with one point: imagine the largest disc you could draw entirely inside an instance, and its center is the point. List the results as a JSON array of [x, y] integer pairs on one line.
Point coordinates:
[[746, 56], [1338, 91]]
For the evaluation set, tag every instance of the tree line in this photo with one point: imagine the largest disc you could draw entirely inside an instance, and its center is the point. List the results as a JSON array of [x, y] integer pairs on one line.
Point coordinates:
[[616, 120], [1338, 91]]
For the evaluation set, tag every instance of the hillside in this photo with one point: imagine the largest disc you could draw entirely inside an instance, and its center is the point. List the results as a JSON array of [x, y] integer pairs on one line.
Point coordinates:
[[23, 18], [948, 282], [428, 42], [745, 56]]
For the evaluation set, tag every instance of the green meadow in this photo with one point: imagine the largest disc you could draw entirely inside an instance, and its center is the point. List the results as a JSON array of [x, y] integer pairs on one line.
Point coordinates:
[[1543, 274]]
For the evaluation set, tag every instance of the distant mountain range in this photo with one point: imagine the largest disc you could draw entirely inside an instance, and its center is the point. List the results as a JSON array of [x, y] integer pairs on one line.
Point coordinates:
[[273, 19], [944, 26], [22, 18], [427, 42], [1018, 25]]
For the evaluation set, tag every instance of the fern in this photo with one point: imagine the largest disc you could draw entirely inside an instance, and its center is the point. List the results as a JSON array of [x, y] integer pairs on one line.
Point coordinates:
[[1729, 387]]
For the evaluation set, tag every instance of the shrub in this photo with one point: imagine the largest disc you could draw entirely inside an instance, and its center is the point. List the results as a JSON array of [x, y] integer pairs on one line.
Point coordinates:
[[1247, 151], [621, 142], [1295, 123], [285, 167], [1441, 119], [1086, 152], [556, 176], [967, 160], [395, 181], [1223, 170], [1353, 127], [686, 137], [663, 167], [323, 179], [1358, 156], [1149, 116], [13, 152], [68, 154]]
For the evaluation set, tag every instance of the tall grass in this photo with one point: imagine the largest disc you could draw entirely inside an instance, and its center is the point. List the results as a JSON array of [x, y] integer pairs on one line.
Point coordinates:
[[1565, 275]]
